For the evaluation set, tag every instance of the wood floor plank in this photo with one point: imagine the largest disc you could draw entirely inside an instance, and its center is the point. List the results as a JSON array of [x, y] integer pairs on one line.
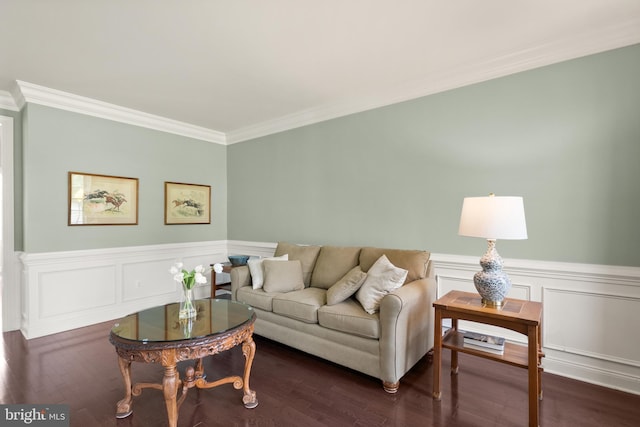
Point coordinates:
[[79, 368]]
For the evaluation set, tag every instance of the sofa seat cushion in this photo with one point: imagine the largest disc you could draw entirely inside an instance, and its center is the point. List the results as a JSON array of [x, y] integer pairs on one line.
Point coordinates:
[[349, 317], [256, 298], [332, 264], [301, 305]]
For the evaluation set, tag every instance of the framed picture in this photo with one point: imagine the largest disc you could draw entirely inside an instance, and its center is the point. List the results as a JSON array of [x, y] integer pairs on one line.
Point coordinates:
[[102, 199], [187, 203]]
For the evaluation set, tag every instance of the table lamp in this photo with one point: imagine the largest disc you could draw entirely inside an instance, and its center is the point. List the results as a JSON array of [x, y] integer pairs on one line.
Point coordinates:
[[492, 218]]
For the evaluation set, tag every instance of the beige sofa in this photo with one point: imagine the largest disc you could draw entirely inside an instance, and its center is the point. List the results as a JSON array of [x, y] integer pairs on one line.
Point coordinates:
[[385, 344]]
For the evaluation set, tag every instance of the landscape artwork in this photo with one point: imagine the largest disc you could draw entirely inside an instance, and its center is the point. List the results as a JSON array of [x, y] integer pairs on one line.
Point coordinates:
[[102, 199], [187, 203]]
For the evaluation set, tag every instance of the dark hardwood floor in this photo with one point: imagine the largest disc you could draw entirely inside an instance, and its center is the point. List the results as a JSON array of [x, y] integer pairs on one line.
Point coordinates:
[[79, 368]]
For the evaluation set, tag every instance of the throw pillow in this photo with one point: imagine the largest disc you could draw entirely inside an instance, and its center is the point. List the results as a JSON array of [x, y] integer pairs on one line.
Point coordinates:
[[256, 269], [282, 276], [346, 286], [305, 253], [382, 278]]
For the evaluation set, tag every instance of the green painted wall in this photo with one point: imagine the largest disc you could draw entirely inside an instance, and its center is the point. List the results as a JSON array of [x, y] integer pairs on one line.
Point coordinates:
[[55, 142], [566, 137]]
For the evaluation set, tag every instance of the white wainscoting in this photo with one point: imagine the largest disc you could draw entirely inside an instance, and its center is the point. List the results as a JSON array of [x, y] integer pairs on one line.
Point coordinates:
[[67, 290], [590, 321]]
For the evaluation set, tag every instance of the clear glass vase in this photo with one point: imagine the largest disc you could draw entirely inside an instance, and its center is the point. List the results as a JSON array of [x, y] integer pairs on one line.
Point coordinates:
[[187, 327], [187, 305]]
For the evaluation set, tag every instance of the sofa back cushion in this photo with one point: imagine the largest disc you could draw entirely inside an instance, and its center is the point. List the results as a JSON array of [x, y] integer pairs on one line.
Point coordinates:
[[332, 264], [414, 261], [307, 256]]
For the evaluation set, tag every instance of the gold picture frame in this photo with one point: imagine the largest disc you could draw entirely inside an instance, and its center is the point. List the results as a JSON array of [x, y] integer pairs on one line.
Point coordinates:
[[187, 203], [102, 199]]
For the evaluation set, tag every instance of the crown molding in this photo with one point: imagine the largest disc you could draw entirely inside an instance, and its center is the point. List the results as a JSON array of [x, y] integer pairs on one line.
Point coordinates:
[[596, 40], [7, 102], [32, 93]]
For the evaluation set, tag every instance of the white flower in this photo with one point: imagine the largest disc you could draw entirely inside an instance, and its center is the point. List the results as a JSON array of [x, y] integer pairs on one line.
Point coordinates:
[[188, 279], [217, 268]]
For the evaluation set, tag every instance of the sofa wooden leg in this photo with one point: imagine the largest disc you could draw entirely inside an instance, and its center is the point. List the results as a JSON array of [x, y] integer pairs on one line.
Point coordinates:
[[390, 387]]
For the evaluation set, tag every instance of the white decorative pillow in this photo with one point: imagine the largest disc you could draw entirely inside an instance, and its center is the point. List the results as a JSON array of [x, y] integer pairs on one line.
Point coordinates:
[[256, 269], [382, 278]]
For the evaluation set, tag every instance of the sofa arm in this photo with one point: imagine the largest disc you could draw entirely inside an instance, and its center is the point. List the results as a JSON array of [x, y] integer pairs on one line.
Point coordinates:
[[406, 327], [240, 277]]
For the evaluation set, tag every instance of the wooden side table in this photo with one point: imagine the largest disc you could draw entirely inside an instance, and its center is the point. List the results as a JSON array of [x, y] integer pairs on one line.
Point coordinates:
[[226, 268], [520, 316]]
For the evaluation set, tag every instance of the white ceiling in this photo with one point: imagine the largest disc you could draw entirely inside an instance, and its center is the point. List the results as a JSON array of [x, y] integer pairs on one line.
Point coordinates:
[[246, 68]]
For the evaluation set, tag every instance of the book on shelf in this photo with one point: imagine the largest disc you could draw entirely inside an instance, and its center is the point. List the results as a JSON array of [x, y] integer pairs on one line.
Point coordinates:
[[485, 349], [483, 340]]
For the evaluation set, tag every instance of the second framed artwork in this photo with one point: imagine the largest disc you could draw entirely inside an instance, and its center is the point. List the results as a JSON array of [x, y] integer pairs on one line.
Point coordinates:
[[187, 203]]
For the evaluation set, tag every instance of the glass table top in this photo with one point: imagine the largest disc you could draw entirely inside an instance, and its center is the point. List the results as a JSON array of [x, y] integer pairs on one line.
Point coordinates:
[[161, 324]]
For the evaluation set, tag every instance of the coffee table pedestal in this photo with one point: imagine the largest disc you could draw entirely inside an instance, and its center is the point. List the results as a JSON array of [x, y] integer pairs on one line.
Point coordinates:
[[169, 353]]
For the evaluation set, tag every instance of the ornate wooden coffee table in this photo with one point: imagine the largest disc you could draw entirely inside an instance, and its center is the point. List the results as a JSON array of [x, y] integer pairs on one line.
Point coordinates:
[[157, 336]]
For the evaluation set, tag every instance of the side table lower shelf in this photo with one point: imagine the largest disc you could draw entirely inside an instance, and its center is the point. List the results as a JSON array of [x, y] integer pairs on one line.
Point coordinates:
[[514, 354]]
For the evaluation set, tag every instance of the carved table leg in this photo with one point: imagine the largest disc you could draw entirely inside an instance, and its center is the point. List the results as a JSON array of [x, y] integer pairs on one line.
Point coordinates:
[[199, 369], [249, 350], [123, 409], [170, 391]]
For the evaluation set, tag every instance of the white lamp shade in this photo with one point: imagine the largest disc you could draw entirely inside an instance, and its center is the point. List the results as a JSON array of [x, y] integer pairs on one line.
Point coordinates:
[[493, 217]]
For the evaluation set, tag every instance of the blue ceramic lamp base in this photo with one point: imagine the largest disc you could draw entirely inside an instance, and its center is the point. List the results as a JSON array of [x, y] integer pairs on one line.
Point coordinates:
[[492, 283]]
